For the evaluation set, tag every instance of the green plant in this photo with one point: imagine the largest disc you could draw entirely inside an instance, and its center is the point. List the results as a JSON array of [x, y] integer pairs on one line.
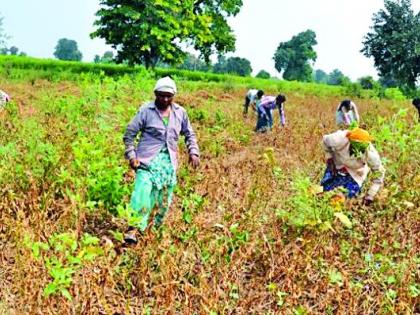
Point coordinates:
[[200, 115], [63, 255], [394, 94], [335, 277], [300, 310], [309, 209], [280, 298], [190, 205], [233, 240]]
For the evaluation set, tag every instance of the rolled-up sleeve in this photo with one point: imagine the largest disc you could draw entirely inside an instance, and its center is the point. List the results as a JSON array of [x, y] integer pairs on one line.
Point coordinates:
[[133, 128], [377, 169], [190, 137]]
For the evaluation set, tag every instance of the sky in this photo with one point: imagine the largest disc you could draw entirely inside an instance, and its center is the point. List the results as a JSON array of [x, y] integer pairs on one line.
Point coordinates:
[[340, 25]]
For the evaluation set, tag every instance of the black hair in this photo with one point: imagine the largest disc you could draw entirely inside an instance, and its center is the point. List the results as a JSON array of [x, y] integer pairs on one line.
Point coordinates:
[[280, 99], [260, 93], [416, 102], [345, 104]]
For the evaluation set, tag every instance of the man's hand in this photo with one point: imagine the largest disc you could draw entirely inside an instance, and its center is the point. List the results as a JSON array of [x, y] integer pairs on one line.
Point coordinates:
[[367, 201], [134, 163], [194, 160]]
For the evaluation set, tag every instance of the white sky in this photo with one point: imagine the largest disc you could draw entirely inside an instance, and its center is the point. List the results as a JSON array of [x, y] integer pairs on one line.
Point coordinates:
[[36, 25]]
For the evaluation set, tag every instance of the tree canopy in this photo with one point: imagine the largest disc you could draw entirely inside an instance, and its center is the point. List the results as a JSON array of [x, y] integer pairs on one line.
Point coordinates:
[[320, 76], [263, 75], [294, 56], [13, 50], [107, 57], [66, 49], [336, 77], [368, 83], [193, 63], [233, 65], [149, 31], [394, 42]]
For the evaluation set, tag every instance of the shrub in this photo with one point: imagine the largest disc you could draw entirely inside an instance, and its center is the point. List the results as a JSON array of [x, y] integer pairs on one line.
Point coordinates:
[[310, 209]]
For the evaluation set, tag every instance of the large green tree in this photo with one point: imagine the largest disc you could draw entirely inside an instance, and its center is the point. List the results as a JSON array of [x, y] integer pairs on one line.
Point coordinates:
[[394, 42], [294, 57], [108, 57], [263, 75], [233, 65], [336, 77], [66, 49], [13, 50], [151, 31], [368, 83], [320, 76], [239, 66], [191, 62]]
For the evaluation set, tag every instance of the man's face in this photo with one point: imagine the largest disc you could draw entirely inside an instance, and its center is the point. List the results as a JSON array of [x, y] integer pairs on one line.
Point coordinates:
[[163, 99]]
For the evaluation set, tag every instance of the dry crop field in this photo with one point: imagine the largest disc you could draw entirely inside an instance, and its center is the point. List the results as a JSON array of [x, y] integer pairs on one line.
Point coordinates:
[[246, 233]]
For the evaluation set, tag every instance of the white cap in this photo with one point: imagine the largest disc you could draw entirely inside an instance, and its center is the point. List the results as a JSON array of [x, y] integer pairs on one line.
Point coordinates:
[[165, 84]]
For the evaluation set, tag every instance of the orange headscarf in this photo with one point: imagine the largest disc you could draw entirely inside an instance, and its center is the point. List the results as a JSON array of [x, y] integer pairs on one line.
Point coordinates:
[[359, 135]]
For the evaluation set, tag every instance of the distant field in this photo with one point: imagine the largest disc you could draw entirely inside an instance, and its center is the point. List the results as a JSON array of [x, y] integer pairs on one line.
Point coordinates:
[[31, 69], [245, 234]]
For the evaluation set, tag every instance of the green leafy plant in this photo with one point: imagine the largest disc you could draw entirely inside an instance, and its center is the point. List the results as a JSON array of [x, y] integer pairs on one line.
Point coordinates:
[[309, 208], [63, 255], [190, 205], [335, 277]]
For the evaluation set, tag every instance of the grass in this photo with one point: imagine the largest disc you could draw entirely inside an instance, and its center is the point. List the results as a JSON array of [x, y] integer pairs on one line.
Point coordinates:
[[224, 247], [32, 69]]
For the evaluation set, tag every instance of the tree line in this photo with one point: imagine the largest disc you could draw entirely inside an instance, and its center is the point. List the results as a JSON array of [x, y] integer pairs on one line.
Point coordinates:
[[156, 33]]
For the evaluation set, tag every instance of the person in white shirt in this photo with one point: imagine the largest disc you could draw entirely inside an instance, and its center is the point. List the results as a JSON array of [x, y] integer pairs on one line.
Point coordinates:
[[350, 156], [4, 98], [253, 97], [346, 114]]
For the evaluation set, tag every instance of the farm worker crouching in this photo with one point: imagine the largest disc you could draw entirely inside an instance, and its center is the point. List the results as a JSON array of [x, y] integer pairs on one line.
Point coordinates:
[[4, 98], [416, 103], [347, 114], [350, 156], [265, 115], [252, 97], [160, 123]]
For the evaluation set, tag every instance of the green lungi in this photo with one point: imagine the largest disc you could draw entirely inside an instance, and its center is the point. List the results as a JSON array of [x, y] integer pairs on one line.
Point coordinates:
[[154, 186]]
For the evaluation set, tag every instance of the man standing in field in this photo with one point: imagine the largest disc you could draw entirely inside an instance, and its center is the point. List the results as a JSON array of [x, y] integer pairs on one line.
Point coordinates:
[[155, 159], [253, 97], [350, 156]]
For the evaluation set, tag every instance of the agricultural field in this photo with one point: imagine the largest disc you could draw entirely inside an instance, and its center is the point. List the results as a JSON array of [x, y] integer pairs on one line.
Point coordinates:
[[246, 233]]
